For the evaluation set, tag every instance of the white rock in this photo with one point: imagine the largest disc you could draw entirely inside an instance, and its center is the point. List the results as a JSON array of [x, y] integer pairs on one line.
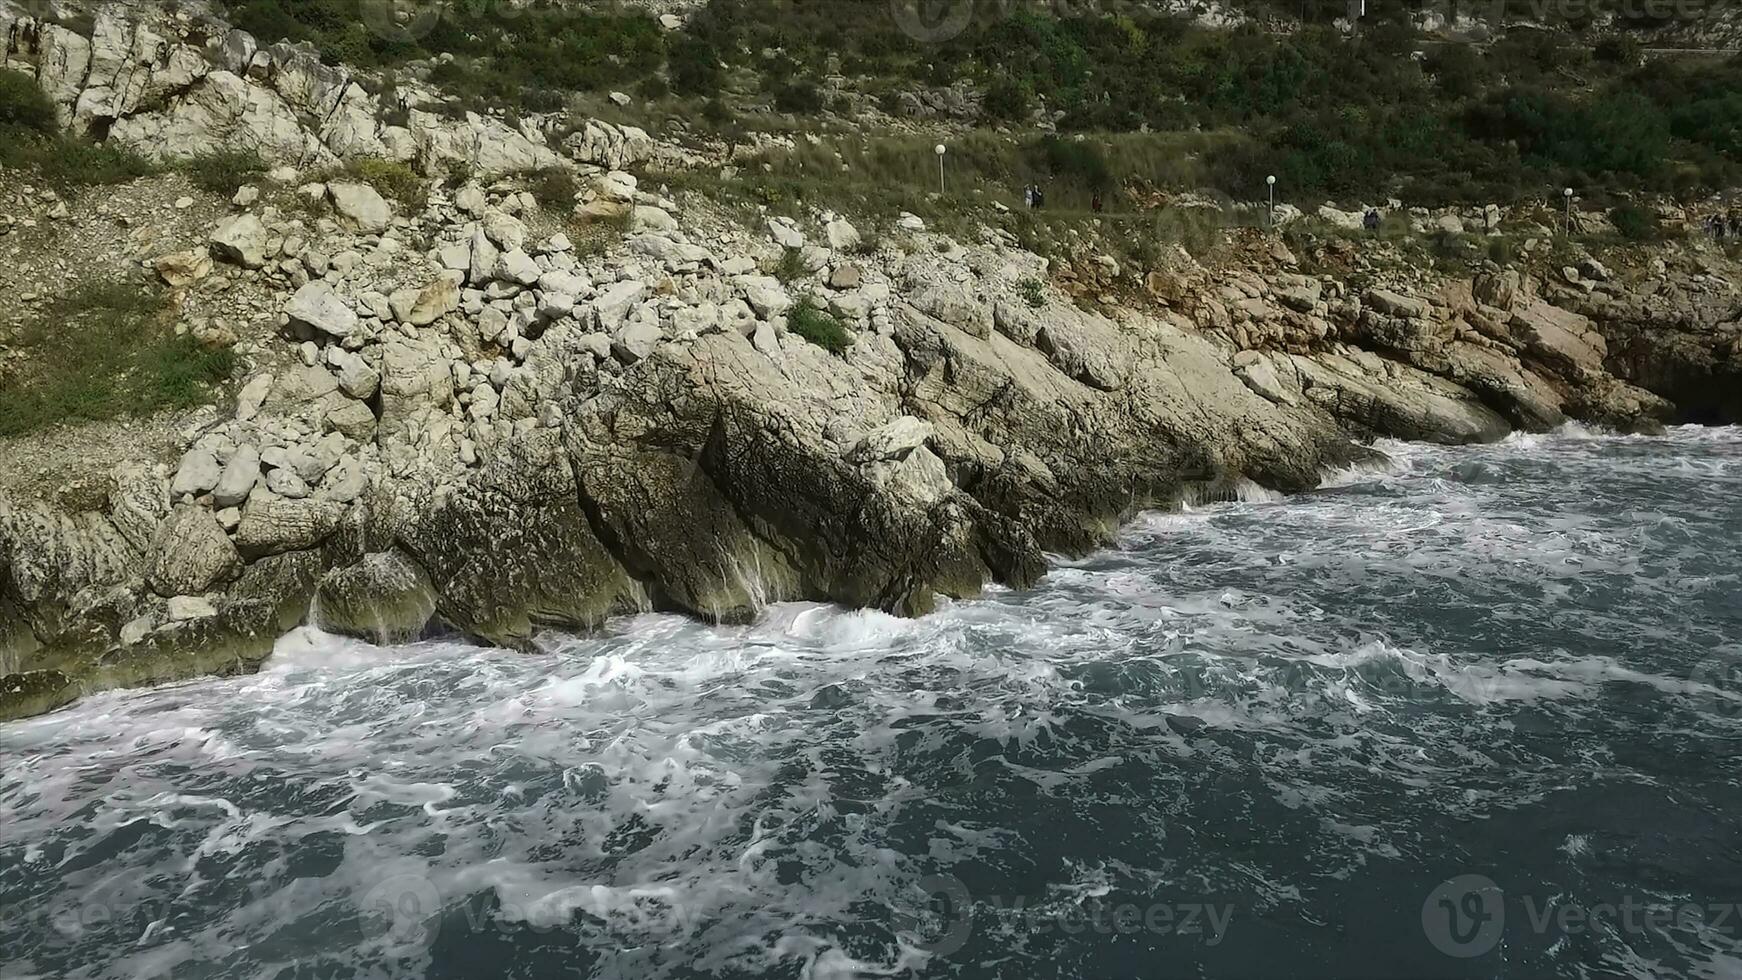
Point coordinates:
[[317, 306], [360, 207], [508, 232], [197, 473], [613, 304], [785, 233], [184, 608], [517, 267], [470, 200], [842, 235], [238, 479], [241, 240], [356, 378], [636, 341], [766, 295]]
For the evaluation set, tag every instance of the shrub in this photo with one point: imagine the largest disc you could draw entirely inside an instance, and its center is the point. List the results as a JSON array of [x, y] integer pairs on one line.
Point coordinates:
[[1006, 99], [818, 326], [223, 172], [791, 267], [102, 352], [23, 106], [69, 163], [555, 189], [1618, 49], [1033, 292], [801, 96], [596, 235], [695, 67], [716, 113], [393, 180], [1636, 223]]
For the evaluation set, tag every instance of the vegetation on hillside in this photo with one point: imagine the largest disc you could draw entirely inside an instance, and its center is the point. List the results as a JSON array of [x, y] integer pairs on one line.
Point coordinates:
[[103, 352], [1375, 114], [31, 139]]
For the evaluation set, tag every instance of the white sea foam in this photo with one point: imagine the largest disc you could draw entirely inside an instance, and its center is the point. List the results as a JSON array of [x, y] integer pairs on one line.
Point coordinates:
[[1340, 672]]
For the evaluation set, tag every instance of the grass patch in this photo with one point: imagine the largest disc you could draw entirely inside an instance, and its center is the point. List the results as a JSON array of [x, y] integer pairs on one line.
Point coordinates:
[[594, 235], [105, 351], [555, 190], [224, 171], [819, 326], [790, 267], [394, 181], [30, 139]]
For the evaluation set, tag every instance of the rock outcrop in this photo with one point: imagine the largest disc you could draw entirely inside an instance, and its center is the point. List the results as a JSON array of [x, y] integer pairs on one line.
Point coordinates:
[[456, 420]]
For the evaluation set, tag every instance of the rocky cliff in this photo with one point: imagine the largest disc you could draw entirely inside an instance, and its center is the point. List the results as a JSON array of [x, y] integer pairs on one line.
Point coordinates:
[[464, 419]]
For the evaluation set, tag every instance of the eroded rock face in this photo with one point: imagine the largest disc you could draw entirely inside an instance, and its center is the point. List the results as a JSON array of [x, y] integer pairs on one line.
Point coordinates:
[[479, 431]]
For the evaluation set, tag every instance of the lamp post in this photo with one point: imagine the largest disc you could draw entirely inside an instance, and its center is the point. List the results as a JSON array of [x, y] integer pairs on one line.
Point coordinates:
[[1270, 215], [1567, 193], [940, 150]]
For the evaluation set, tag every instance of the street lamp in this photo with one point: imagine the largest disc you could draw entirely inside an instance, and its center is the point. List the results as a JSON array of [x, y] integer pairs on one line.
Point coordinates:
[[940, 150], [1568, 195], [1270, 215]]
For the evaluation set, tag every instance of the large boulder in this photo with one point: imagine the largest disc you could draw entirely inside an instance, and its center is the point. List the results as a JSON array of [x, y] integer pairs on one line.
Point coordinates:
[[241, 241], [192, 553], [360, 207], [386, 597], [316, 306]]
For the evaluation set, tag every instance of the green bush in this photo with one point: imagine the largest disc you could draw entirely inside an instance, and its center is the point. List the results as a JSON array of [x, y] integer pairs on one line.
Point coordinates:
[[23, 106], [555, 189], [394, 181], [818, 326], [1636, 223], [1033, 292], [791, 266], [105, 351], [694, 67], [801, 96], [596, 235], [223, 172], [1006, 100]]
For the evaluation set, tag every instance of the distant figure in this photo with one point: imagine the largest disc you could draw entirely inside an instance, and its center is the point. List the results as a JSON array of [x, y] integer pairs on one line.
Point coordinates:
[[1370, 220], [1028, 196], [1095, 203], [1039, 198]]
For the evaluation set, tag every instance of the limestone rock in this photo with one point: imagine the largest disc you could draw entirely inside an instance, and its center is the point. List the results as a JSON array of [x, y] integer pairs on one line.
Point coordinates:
[[197, 473], [318, 307], [385, 598], [240, 475], [182, 269], [360, 207], [193, 553], [241, 241]]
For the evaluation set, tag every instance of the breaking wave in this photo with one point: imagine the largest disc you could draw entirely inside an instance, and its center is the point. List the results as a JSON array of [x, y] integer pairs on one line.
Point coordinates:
[[1267, 728]]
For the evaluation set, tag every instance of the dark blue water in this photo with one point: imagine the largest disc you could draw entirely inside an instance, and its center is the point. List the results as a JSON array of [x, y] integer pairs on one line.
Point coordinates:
[[1477, 715]]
